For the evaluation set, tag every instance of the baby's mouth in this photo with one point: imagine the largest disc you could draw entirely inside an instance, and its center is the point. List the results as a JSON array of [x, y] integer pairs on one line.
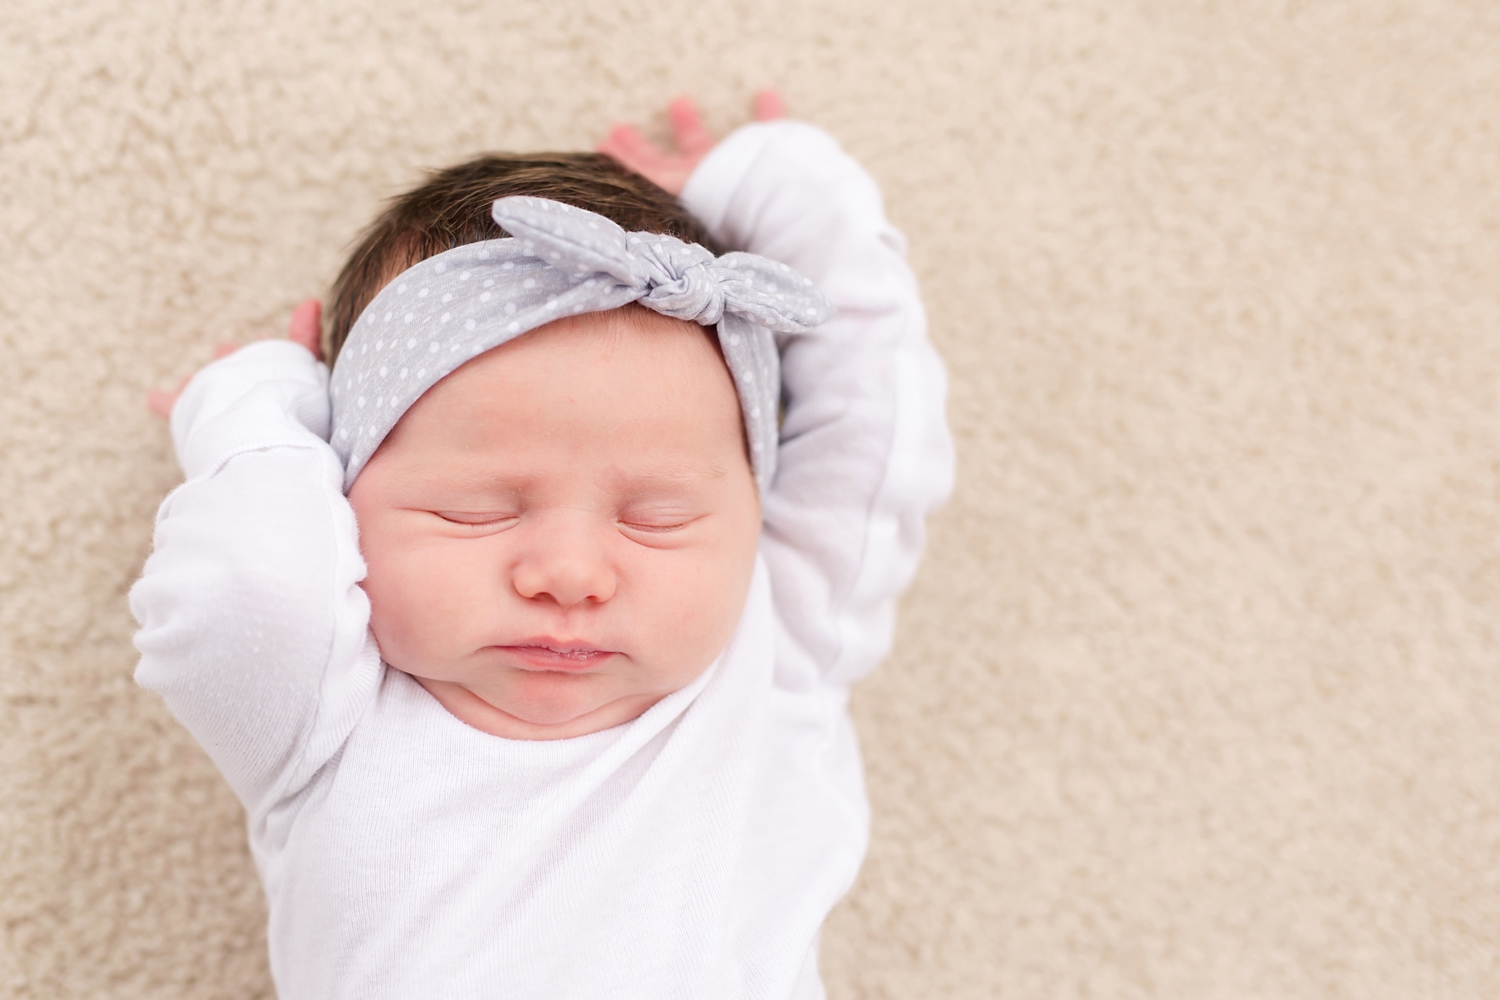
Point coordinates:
[[547, 654]]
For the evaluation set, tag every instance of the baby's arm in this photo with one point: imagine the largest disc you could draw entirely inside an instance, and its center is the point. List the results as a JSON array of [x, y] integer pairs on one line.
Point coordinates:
[[865, 452], [253, 627]]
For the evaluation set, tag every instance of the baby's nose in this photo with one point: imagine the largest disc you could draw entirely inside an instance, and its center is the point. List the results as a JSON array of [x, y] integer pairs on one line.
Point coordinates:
[[566, 563]]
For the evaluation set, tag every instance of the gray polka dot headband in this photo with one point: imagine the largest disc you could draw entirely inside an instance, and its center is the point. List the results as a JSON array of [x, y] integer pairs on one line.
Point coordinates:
[[560, 261]]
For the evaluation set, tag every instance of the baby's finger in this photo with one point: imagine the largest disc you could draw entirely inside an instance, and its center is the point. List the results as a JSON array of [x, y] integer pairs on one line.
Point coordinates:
[[632, 150], [627, 145], [306, 327], [687, 127], [225, 350], [769, 106], [161, 401]]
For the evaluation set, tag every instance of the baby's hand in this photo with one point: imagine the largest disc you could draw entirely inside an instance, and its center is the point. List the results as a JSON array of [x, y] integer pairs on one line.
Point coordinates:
[[304, 329], [670, 171]]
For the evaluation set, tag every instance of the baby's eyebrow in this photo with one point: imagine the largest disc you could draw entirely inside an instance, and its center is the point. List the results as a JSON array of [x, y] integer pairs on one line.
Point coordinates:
[[688, 474], [464, 482]]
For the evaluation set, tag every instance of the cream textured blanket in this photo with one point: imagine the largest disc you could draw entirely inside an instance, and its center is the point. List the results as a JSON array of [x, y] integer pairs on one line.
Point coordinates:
[[1196, 693]]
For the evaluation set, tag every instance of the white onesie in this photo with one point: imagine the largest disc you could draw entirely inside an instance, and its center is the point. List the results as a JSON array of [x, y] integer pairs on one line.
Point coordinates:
[[693, 852]]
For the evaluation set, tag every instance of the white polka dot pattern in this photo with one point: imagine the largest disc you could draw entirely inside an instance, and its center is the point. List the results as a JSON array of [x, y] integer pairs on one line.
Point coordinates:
[[561, 261]]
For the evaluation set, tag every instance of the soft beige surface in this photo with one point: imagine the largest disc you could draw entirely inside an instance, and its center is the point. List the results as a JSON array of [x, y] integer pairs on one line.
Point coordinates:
[[1195, 695]]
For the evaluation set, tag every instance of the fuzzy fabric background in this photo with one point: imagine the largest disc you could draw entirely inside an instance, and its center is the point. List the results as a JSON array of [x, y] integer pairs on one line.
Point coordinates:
[[1196, 694]]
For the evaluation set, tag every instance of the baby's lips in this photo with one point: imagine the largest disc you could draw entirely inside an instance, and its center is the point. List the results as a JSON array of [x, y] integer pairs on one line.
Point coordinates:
[[560, 645], [552, 654]]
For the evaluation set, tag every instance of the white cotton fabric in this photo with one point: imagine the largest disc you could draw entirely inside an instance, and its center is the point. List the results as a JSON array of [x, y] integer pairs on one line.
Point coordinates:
[[693, 852], [561, 261]]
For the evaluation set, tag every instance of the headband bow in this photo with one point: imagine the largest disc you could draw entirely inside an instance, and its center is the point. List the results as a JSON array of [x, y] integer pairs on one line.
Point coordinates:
[[560, 261]]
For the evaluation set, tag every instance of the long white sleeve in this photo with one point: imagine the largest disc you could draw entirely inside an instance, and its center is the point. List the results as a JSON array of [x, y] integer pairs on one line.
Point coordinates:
[[252, 623], [865, 452]]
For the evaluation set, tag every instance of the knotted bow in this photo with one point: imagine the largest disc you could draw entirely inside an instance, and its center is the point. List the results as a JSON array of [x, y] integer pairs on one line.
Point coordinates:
[[560, 261], [677, 279]]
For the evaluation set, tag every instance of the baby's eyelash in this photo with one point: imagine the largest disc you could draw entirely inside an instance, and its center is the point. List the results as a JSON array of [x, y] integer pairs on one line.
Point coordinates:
[[474, 520], [670, 522]]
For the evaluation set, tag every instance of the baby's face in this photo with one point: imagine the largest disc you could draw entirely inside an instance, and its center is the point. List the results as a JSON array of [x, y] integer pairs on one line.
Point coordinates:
[[562, 532]]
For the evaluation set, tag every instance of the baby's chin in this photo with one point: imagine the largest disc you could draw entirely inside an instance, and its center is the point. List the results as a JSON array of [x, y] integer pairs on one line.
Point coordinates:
[[540, 706]]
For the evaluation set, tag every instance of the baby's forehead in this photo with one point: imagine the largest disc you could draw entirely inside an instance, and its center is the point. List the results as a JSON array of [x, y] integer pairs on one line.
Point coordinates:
[[625, 405], [603, 337]]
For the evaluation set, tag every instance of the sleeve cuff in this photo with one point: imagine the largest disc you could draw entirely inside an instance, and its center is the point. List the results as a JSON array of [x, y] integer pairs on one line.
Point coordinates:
[[710, 191], [266, 394]]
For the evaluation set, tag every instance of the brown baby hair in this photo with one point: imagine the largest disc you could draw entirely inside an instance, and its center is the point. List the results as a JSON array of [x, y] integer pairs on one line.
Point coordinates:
[[452, 208]]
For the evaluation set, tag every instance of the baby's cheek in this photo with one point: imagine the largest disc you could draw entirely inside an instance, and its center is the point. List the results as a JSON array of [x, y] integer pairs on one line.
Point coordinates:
[[417, 606], [392, 619], [706, 597]]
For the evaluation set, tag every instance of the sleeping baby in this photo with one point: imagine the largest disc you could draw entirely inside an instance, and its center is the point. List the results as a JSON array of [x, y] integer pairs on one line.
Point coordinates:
[[525, 632]]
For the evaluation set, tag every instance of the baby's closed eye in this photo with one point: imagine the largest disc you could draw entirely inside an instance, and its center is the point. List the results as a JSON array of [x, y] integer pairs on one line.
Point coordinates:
[[478, 518], [658, 519]]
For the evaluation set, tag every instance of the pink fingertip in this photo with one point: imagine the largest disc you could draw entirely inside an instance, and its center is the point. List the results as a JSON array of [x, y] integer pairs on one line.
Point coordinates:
[[621, 137], [306, 326], [683, 112], [769, 105]]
